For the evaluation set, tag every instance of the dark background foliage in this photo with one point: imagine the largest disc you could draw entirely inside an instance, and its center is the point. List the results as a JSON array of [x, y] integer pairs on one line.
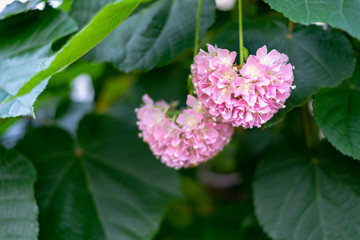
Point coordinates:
[[79, 171]]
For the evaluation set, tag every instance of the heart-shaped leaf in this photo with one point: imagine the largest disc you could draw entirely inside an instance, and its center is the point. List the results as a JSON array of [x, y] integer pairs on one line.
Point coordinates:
[[108, 186], [303, 196], [337, 112], [18, 209], [343, 14]]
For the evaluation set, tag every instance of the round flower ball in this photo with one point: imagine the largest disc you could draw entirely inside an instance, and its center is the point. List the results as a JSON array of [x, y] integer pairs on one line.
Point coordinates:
[[184, 138], [244, 96]]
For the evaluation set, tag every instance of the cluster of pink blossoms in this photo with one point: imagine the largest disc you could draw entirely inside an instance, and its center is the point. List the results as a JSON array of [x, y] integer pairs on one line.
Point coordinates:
[[247, 96], [185, 139], [228, 96]]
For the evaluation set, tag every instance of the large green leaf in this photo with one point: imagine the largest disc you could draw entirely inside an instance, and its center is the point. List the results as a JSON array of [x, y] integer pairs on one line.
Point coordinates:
[[343, 14], [337, 113], [153, 36], [108, 186], [304, 196], [104, 22], [31, 85], [322, 58], [25, 47], [18, 209]]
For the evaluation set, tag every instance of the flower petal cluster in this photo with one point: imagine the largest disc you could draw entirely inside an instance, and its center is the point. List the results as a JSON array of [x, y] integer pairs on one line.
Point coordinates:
[[185, 140], [247, 96]]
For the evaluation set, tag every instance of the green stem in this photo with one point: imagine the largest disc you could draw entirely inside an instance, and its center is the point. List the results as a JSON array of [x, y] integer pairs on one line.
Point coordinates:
[[306, 126], [241, 42], [290, 29], [196, 45], [310, 129], [197, 31]]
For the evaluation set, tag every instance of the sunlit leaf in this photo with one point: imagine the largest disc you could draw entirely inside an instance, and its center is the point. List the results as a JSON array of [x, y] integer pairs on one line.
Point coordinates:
[[25, 48], [32, 84]]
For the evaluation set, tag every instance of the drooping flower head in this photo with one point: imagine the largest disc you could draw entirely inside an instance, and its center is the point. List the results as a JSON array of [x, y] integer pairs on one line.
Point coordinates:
[[182, 139], [247, 96]]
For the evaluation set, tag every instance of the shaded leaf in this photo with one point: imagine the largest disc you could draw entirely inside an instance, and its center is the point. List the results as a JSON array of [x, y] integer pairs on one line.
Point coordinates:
[[109, 187], [337, 113], [153, 36], [18, 209], [303, 196], [343, 14]]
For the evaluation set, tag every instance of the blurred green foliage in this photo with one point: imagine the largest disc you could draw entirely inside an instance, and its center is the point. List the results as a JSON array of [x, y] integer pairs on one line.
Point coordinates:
[[85, 197]]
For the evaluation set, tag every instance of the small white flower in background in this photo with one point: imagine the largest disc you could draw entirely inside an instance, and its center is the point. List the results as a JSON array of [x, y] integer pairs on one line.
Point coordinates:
[[321, 24], [82, 89], [55, 3], [225, 5], [40, 6]]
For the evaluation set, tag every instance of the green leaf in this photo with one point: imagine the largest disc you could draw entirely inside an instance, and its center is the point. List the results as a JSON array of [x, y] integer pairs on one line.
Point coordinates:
[[82, 11], [6, 124], [321, 58], [343, 14], [17, 7], [65, 5], [18, 209], [300, 196], [105, 21], [337, 113], [25, 49], [108, 186], [153, 36]]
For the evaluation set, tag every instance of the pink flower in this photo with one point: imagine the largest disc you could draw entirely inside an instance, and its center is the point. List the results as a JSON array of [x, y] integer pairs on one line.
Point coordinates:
[[185, 140], [247, 96]]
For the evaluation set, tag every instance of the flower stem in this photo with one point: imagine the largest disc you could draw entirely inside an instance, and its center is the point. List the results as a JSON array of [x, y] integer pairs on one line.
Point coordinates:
[[309, 127], [306, 126], [197, 31], [196, 45], [241, 43], [290, 29]]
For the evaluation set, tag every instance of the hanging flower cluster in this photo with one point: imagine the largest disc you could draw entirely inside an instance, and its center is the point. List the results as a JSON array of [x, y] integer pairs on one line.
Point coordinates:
[[247, 96], [181, 138], [228, 96]]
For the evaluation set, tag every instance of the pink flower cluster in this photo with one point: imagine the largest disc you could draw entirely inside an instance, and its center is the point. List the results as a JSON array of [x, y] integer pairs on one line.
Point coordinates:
[[247, 96], [182, 139]]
